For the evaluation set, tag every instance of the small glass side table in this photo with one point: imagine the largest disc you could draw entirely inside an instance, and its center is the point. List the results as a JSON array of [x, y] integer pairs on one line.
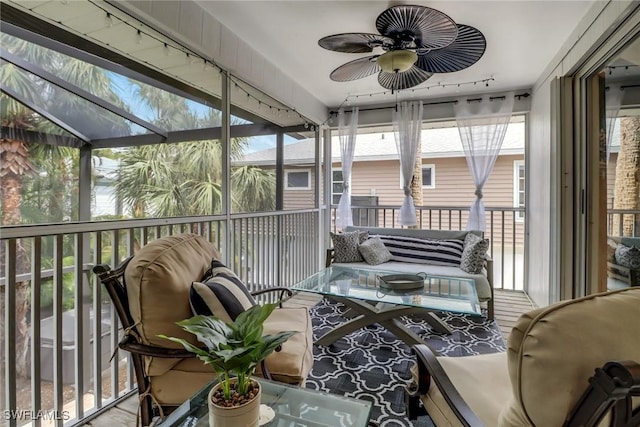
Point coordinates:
[[293, 406]]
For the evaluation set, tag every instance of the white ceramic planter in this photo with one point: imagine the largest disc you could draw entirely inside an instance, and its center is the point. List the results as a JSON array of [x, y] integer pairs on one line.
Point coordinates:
[[247, 415]]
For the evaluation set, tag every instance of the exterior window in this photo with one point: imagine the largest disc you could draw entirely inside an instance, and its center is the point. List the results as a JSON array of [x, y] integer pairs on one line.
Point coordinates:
[[336, 186], [297, 180], [428, 176], [518, 188]]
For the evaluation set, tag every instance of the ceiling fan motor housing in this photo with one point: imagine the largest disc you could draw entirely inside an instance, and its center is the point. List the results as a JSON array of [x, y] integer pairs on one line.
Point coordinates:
[[397, 61]]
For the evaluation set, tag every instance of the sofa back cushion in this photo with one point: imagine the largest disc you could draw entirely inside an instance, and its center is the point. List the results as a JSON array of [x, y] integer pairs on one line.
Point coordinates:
[[554, 350], [417, 233], [158, 280], [423, 251]]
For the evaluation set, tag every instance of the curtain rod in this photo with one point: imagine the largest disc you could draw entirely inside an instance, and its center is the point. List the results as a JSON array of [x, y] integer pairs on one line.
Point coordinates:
[[454, 101]]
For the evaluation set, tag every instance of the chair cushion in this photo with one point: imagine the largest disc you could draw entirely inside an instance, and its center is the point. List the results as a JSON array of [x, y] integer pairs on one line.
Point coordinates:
[[222, 295], [291, 364], [556, 349], [181, 382], [158, 279], [482, 381], [294, 361]]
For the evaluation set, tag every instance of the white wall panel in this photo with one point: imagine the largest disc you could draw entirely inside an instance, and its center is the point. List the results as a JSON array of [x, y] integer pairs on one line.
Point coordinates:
[[211, 37], [244, 55], [166, 12], [257, 69], [228, 51], [191, 22], [539, 209]]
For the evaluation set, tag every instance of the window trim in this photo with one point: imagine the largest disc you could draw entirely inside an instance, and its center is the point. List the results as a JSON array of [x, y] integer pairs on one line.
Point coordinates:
[[519, 216], [433, 176], [286, 179], [333, 169]]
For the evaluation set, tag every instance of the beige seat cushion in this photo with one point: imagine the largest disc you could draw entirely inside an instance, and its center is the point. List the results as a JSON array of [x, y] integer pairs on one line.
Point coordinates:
[[294, 361], [553, 351], [175, 386], [158, 280], [291, 364], [482, 381]]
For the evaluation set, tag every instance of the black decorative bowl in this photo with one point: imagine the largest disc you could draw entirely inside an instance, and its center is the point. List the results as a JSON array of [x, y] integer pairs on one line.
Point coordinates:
[[402, 282]]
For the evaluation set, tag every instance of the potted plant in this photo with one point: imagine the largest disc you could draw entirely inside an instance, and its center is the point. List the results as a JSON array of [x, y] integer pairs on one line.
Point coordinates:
[[233, 350]]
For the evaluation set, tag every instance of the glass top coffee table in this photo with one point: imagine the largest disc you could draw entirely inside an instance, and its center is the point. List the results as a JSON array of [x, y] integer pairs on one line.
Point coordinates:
[[293, 407], [359, 289]]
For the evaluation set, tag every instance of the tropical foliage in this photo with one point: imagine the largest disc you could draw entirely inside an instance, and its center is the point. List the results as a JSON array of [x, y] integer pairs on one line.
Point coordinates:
[[39, 177], [233, 348]]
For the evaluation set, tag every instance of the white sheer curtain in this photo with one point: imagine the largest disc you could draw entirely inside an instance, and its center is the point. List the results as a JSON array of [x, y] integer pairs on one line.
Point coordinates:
[[613, 100], [347, 134], [482, 126], [407, 124]]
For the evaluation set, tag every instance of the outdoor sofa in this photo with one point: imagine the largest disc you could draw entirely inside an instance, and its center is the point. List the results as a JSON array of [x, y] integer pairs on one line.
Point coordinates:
[[483, 280]]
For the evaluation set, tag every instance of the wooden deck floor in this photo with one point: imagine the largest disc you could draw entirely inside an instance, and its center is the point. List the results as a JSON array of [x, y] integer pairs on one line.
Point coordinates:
[[509, 305]]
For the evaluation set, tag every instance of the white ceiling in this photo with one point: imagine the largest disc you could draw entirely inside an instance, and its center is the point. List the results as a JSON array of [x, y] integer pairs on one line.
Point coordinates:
[[522, 39]]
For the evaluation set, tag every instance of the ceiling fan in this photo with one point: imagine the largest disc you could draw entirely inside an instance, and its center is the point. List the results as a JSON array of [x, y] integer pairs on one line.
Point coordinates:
[[417, 41]]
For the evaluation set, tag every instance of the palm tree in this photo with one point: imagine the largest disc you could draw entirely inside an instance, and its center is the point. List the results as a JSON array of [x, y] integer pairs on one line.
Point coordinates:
[[253, 189], [185, 178], [627, 183], [30, 169], [416, 181], [15, 164]]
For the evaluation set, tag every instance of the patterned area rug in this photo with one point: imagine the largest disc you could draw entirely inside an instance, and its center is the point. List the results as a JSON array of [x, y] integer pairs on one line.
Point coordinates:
[[373, 364]]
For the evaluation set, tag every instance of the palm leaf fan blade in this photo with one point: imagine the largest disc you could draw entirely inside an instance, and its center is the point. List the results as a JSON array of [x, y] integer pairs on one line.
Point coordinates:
[[353, 42], [465, 51], [430, 28], [357, 69], [397, 81]]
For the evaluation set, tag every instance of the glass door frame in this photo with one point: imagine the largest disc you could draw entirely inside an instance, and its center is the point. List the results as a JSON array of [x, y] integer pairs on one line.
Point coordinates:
[[589, 246]]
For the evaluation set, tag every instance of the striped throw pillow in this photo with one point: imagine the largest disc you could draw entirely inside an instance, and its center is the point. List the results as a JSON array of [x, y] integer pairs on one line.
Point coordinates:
[[222, 294], [424, 251]]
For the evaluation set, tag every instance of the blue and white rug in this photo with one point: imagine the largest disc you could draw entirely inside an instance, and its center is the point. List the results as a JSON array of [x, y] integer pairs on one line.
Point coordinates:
[[372, 364]]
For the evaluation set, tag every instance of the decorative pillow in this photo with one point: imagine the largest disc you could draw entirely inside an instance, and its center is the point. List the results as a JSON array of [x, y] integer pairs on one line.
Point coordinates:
[[628, 256], [612, 245], [222, 295], [424, 251], [473, 255], [374, 252], [345, 245]]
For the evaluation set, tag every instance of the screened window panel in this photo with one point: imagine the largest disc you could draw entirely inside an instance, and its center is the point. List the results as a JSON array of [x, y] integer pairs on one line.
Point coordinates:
[[90, 120]]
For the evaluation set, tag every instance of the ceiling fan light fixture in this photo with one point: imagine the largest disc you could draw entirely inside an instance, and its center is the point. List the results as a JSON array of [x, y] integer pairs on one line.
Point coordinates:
[[397, 61]]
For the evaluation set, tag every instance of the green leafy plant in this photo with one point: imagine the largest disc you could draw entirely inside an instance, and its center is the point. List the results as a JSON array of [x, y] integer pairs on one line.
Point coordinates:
[[233, 348]]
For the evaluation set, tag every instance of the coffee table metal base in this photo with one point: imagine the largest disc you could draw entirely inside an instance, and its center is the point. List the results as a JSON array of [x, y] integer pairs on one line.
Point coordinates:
[[362, 314]]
